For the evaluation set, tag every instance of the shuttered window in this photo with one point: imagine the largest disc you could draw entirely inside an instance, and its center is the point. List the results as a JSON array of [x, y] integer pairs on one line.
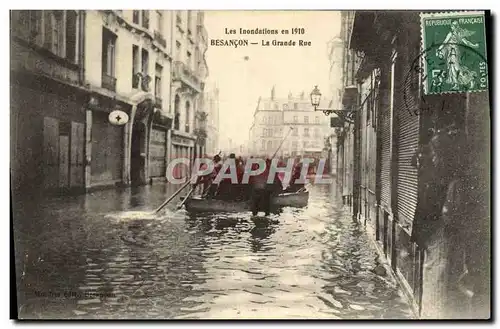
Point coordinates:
[[388, 88], [407, 134]]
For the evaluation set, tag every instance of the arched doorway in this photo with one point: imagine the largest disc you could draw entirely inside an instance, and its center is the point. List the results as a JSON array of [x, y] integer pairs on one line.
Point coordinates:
[[139, 143]]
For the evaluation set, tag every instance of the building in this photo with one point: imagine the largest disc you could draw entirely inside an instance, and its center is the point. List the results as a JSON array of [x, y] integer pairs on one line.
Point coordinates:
[[48, 101], [190, 70], [377, 153], [212, 103], [71, 69], [128, 63], [335, 56], [290, 120]]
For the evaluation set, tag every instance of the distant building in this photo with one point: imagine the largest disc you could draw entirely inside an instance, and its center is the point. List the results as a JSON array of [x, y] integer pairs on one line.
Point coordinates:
[[212, 107], [294, 118]]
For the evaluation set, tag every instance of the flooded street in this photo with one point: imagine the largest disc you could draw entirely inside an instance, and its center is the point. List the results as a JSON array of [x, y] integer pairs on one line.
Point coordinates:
[[103, 255]]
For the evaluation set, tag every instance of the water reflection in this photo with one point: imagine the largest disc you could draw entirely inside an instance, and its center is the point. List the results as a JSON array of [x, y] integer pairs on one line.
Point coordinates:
[[261, 232], [301, 263]]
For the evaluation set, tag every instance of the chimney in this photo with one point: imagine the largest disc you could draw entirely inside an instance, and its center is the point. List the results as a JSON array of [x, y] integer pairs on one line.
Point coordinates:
[[273, 92], [290, 96], [302, 95]]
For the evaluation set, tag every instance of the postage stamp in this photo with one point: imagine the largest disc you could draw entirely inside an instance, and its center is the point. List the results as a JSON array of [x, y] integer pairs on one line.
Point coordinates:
[[454, 52]]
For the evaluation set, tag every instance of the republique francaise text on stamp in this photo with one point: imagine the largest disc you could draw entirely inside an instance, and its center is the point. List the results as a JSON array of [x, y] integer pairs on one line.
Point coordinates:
[[454, 44]]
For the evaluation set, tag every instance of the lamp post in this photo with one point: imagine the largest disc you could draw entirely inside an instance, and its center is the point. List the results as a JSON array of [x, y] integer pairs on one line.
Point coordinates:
[[345, 115]]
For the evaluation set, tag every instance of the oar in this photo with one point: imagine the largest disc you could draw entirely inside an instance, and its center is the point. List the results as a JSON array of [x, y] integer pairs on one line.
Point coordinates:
[[186, 197], [291, 128], [172, 197]]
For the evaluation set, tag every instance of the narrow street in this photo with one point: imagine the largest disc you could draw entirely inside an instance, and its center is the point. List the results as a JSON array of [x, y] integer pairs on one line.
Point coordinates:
[[102, 255]]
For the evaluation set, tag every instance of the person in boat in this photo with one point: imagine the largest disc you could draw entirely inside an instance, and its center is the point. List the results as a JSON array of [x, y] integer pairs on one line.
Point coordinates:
[[226, 188], [213, 187], [204, 180], [263, 190], [295, 184], [240, 188], [260, 197]]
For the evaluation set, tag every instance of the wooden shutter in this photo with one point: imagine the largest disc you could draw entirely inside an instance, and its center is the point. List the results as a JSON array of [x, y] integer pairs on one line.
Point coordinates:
[[407, 127], [51, 152]]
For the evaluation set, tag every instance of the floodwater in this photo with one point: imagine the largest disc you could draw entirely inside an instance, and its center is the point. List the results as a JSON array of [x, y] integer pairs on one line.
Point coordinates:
[[106, 256]]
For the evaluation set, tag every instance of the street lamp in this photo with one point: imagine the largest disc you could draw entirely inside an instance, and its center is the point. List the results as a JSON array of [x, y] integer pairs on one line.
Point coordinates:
[[345, 115]]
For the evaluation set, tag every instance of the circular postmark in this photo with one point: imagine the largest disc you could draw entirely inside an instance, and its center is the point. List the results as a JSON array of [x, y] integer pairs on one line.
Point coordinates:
[[444, 68]]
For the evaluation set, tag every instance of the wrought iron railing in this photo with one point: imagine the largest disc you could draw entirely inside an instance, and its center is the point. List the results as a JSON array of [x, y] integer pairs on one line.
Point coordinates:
[[160, 39], [184, 73], [108, 82]]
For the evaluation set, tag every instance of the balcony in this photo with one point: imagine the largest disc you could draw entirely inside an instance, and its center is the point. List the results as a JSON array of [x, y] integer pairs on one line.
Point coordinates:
[[135, 17], [160, 39], [184, 74], [136, 78], [108, 82], [145, 23], [158, 102], [203, 32], [146, 79]]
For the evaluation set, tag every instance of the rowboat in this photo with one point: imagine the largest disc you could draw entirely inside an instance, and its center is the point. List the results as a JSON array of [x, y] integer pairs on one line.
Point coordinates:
[[198, 204]]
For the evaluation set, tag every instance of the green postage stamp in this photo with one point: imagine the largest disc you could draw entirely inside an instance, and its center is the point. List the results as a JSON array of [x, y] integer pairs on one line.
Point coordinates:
[[454, 52]]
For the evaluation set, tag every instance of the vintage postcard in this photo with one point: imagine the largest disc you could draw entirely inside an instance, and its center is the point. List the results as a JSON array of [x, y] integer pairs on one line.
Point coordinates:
[[190, 164]]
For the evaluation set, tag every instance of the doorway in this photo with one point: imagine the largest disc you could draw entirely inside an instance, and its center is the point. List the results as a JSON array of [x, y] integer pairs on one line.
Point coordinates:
[[138, 154]]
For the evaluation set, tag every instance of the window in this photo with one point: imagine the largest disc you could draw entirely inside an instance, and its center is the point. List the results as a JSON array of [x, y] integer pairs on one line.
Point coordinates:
[[263, 146], [295, 132], [305, 144], [177, 113], [188, 59], [269, 145], [197, 58], [159, 21], [71, 33], [306, 132], [306, 119], [33, 23], [145, 19], [295, 145], [295, 106], [145, 70], [188, 113], [54, 32], [316, 132], [135, 66], [316, 120], [108, 52], [159, 71], [108, 79], [295, 119], [178, 17], [189, 21], [178, 50], [145, 62], [135, 16]]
